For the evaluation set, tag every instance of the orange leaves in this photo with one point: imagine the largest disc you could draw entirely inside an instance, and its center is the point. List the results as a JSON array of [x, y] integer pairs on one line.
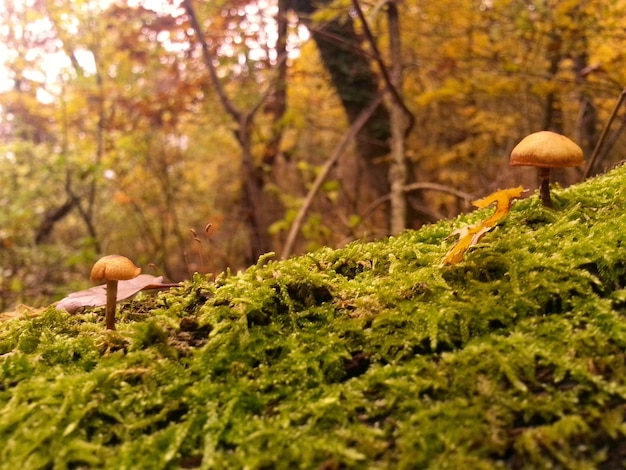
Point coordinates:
[[471, 235], [122, 198]]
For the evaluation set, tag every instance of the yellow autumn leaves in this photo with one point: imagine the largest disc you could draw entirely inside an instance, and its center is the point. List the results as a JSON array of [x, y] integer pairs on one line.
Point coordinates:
[[471, 235]]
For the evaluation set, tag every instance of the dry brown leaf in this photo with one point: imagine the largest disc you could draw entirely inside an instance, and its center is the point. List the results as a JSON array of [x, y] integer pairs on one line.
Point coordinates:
[[21, 311], [471, 235], [96, 296]]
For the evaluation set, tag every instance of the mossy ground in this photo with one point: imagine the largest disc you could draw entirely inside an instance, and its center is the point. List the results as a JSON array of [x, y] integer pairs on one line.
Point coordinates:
[[371, 356]]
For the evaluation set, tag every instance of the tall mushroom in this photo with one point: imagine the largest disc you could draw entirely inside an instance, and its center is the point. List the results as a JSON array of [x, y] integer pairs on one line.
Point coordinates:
[[546, 150], [113, 268]]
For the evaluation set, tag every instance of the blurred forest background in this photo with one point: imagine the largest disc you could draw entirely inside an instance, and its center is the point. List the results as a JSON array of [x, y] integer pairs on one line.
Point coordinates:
[[195, 135]]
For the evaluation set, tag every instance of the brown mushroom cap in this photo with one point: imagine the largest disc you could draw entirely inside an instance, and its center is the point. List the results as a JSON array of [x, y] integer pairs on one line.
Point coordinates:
[[546, 149], [114, 268]]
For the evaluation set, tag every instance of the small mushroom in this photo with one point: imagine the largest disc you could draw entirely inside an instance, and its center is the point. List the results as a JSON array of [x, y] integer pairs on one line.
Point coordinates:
[[546, 150], [113, 268]]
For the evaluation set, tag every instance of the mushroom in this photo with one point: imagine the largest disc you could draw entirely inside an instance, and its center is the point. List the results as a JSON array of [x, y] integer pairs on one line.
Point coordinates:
[[113, 268], [546, 150]]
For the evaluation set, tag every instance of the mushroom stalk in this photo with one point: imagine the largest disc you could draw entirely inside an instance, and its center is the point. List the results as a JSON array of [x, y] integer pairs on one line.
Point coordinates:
[[109, 317], [544, 187]]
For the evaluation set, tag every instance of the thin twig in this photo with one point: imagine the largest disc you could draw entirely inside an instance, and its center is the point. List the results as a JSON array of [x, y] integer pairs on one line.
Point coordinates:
[[596, 150], [414, 187], [340, 40], [321, 177]]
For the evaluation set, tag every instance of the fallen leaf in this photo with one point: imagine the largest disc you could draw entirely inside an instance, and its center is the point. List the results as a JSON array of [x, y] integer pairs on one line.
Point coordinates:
[[471, 235], [503, 199], [96, 296], [468, 236], [126, 289], [21, 311]]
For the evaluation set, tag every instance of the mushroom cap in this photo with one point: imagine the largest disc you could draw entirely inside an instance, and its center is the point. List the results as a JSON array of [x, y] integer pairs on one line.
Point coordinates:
[[114, 268], [546, 149]]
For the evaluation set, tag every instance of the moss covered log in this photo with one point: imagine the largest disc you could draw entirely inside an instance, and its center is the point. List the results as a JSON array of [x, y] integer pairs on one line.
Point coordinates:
[[370, 356]]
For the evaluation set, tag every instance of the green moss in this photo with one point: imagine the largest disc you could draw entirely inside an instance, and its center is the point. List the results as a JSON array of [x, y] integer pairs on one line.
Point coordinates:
[[370, 356]]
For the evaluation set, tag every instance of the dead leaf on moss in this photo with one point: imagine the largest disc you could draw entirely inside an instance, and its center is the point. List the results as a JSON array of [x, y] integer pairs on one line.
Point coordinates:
[[96, 296], [21, 311], [471, 235]]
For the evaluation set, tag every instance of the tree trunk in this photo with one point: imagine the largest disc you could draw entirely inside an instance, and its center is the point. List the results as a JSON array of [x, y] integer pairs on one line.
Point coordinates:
[[588, 122], [397, 170], [255, 213], [553, 117]]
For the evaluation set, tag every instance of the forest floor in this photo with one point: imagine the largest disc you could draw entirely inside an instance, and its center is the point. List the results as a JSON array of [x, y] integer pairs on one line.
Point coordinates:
[[371, 356]]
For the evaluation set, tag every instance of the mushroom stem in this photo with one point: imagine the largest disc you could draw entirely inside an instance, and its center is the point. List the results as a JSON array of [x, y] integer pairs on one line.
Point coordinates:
[[544, 187], [109, 317]]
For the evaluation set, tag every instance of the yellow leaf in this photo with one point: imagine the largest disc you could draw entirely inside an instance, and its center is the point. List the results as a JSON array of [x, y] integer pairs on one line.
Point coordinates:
[[471, 235], [503, 200]]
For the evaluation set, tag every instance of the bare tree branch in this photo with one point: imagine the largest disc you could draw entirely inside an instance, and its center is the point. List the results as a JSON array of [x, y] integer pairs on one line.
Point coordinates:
[[383, 67], [321, 177], [50, 219], [229, 106], [602, 138], [415, 187], [208, 59]]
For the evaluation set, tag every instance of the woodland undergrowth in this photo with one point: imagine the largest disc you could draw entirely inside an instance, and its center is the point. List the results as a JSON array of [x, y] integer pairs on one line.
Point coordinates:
[[371, 356]]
